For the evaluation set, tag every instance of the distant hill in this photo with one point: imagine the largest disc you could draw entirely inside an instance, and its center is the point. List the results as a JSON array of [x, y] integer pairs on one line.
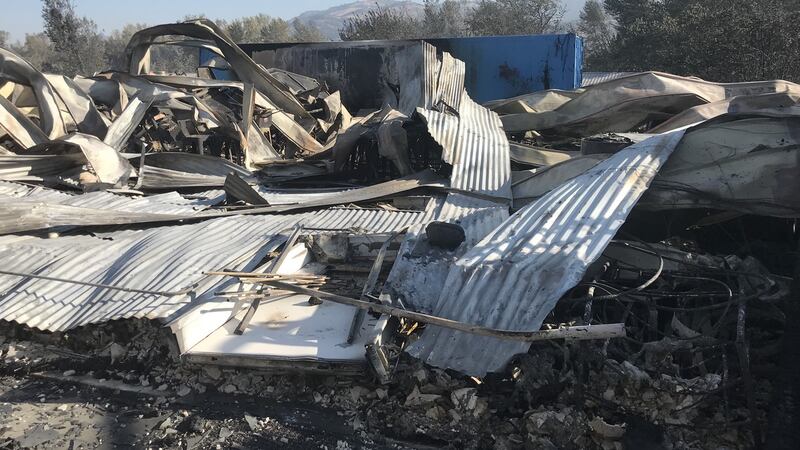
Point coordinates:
[[330, 20]]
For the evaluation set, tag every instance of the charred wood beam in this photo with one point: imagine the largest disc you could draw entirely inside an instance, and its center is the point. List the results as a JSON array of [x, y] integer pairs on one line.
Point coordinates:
[[369, 286], [251, 311], [238, 189]]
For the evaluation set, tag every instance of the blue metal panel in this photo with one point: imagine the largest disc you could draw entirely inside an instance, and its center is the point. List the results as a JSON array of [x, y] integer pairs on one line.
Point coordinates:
[[496, 66], [206, 57], [507, 66]]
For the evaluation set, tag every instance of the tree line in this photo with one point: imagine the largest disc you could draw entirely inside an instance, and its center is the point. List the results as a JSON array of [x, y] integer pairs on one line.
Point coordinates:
[[718, 40], [71, 44], [451, 18]]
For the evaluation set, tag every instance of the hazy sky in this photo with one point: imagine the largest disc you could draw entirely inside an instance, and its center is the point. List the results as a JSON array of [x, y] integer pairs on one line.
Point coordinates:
[[24, 16]]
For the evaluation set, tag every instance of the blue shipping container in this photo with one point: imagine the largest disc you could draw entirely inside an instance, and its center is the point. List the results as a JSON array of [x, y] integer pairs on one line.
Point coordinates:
[[496, 66]]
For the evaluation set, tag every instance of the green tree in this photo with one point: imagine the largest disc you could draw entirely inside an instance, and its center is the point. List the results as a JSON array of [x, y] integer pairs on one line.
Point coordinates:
[[277, 30], [115, 44], [597, 29], [444, 18], [36, 49], [258, 28], [719, 40], [381, 23], [305, 32], [504, 17], [264, 28], [77, 46]]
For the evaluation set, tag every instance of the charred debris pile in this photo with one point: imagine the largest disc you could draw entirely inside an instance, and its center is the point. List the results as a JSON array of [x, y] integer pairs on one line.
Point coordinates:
[[566, 268]]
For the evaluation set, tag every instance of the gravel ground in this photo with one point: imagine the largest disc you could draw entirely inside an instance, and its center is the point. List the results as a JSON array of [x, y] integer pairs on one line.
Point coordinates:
[[122, 385]]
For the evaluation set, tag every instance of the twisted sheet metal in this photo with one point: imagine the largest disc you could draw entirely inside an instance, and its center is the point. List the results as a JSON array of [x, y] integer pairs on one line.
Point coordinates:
[[592, 78], [420, 269], [294, 196], [169, 258], [362, 220], [158, 259], [166, 203], [471, 136], [273, 196], [36, 167], [513, 278], [430, 76]]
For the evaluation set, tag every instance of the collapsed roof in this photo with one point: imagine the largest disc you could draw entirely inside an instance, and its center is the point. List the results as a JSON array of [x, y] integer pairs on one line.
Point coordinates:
[[130, 195]]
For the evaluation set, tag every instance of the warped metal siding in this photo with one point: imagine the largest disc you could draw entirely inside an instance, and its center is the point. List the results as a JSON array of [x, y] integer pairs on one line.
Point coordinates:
[[167, 203], [273, 196], [476, 216], [431, 67], [159, 259], [451, 80], [10, 189], [592, 78], [169, 259], [513, 278], [420, 270], [35, 167], [293, 196], [474, 142], [359, 220]]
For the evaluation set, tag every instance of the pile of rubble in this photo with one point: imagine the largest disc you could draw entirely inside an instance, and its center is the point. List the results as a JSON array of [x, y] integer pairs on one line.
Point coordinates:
[[538, 405], [602, 268]]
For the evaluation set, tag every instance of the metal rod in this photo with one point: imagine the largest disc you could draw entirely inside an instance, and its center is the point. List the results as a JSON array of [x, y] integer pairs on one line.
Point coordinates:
[[582, 332], [100, 285], [276, 264], [372, 279]]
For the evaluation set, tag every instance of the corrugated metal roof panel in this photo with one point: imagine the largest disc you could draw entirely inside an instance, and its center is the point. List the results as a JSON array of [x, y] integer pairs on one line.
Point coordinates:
[[478, 217], [363, 220], [273, 196], [295, 196], [419, 272], [513, 278], [592, 78], [166, 203], [156, 259]]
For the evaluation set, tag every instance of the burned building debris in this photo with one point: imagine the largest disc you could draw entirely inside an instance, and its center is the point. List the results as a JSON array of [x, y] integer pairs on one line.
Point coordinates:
[[607, 267]]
